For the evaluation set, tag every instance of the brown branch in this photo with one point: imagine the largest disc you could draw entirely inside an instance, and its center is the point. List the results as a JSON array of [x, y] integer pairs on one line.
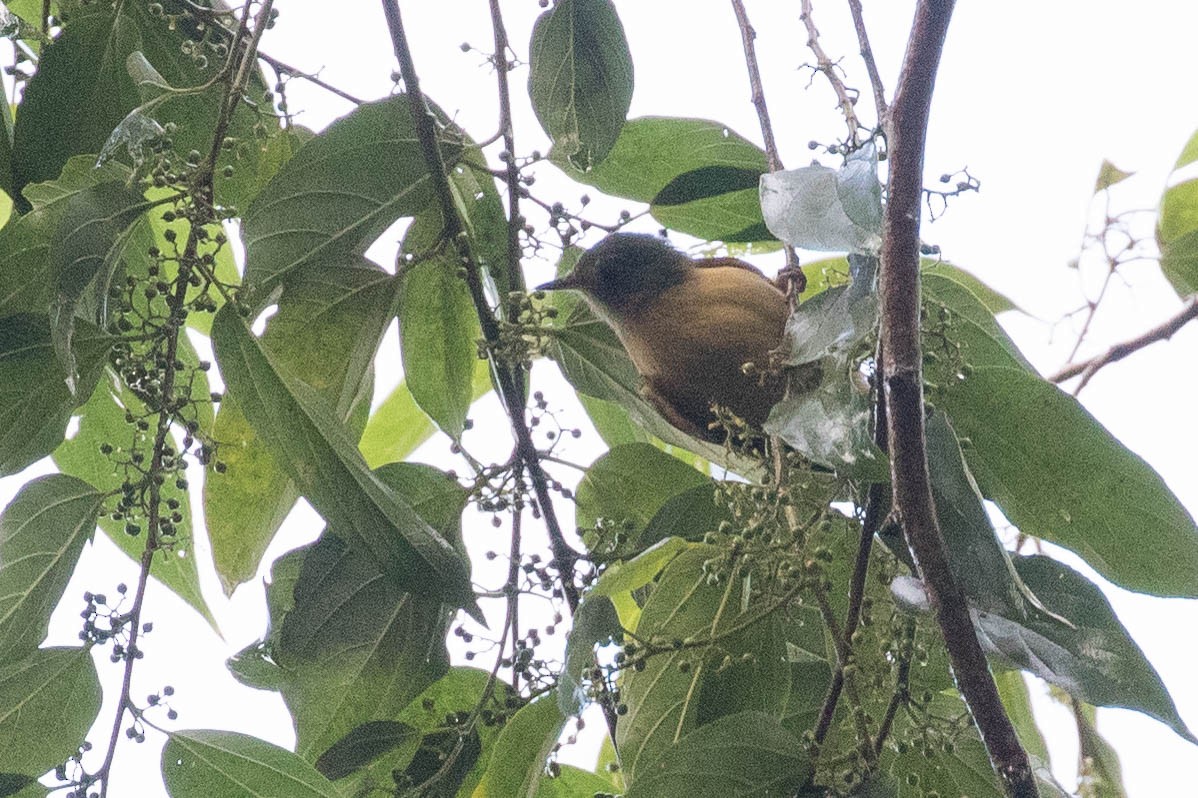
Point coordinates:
[[825, 65], [509, 378], [902, 378], [235, 72], [795, 281], [1161, 332], [284, 68], [747, 36], [867, 55]]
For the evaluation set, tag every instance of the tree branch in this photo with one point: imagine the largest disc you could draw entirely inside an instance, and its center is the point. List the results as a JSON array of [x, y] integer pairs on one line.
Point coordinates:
[[824, 64], [1161, 332], [902, 378], [867, 55], [508, 377]]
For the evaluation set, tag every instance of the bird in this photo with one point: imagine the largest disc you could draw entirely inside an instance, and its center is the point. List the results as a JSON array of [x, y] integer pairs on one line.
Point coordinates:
[[689, 325]]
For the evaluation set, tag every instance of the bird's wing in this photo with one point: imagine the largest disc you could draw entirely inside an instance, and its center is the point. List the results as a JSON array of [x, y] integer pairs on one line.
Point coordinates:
[[728, 263], [673, 412]]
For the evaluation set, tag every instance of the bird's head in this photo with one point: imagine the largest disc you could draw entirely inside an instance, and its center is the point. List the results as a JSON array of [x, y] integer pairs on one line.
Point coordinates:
[[625, 272]]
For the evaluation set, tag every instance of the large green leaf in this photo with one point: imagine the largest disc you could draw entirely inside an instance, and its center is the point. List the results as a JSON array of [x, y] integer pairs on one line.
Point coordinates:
[[746, 755], [580, 78], [1177, 227], [48, 701], [685, 686], [203, 763], [438, 332], [42, 532], [398, 426], [1089, 653], [27, 281], [92, 223], [1059, 475], [969, 326], [698, 176], [338, 193], [353, 647], [1099, 769], [35, 402], [304, 432], [327, 327], [80, 92], [83, 90], [517, 764], [102, 422], [630, 484]]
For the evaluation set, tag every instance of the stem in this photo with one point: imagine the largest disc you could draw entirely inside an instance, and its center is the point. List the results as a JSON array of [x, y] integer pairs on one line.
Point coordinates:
[[176, 302], [867, 55], [902, 378], [1161, 332], [509, 378]]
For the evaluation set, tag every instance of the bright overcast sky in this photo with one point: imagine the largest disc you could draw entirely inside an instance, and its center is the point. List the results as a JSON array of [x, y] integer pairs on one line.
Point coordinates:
[[1032, 97]]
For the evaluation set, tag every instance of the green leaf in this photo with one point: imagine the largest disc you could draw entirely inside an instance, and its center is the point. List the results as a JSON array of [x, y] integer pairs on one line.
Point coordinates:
[[1059, 475], [665, 161], [459, 691], [27, 281], [35, 403], [304, 433], [1099, 769], [81, 252], [1089, 654], [1177, 227], [624, 577], [42, 532], [354, 647], [362, 746], [517, 764], [83, 90], [580, 78], [594, 622], [746, 755], [203, 763], [969, 326], [48, 701], [80, 92], [1109, 175], [991, 299], [629, 485], [686, 686], [327, 328], [825, 209], [438, 332], [338, 193], [102, 421], [1017, 701], [977, 557], [572, 782]]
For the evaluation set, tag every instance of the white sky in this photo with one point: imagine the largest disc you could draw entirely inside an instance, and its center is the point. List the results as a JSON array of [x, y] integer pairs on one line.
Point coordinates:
[[1032, 97]]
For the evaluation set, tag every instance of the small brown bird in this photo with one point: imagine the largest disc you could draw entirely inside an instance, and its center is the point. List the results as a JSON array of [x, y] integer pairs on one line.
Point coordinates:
[[689, 325]]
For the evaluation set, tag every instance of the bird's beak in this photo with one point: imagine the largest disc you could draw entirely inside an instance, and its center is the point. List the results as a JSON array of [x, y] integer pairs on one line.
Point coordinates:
[[565, 281]]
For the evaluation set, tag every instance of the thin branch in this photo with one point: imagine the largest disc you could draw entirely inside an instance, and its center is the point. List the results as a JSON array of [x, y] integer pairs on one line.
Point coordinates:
[[286, 69], [795, 280], [235, 72], [747, 36], [1161, 332], [867, 55], [508, 377], [902, 378], [825, 65]]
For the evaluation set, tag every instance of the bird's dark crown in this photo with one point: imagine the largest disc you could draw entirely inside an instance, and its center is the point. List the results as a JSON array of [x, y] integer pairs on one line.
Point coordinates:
[[625, 269]]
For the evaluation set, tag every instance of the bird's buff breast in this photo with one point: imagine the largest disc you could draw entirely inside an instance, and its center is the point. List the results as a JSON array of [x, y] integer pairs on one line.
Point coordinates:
[[693, 346]]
